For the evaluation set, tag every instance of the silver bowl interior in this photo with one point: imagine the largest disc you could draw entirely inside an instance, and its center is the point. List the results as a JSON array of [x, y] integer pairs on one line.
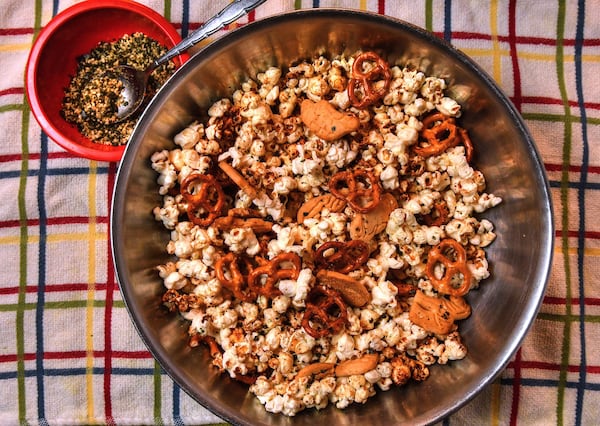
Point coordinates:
[[503, 308]]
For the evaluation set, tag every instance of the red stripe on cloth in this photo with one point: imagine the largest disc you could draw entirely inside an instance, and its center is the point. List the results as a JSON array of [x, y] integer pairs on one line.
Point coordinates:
[[590, 235], [514, 56], [68, 220], [589, 42], [110, 287], [30, 356], [36, 156], [466, 35], [514, 411], [538, 365], [516, 99], [12, 91], [52, 288], [554, 101], [587, 301], [572, 168], [15, 31]]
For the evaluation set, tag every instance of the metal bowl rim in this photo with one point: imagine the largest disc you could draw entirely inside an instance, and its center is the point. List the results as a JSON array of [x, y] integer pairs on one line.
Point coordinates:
[[534, 303]]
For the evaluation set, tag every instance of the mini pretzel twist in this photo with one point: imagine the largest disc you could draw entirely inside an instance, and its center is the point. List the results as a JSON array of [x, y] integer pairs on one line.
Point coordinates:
[[204, 196], [347, 255], [358, 187], [263, 278], [325, 312], [440, 132], [228, 272], [438, 215], [367, 87], [452, 267]]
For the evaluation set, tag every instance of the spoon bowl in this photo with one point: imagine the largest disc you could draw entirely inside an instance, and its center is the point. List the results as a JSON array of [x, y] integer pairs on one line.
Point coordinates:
[[134, 83]]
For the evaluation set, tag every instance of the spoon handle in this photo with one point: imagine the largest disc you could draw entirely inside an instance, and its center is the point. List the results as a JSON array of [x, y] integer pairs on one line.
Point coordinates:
[[229, 14]]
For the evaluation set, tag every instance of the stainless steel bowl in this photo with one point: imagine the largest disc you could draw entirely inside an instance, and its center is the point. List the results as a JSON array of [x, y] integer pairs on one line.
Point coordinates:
[[503, 308]]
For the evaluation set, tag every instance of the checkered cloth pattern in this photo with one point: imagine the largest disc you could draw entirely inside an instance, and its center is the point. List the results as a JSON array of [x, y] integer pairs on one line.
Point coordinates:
[[69, 353]]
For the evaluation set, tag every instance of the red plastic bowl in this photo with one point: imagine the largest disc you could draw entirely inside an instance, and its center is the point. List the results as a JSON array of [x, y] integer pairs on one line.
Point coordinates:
[[52, 62]]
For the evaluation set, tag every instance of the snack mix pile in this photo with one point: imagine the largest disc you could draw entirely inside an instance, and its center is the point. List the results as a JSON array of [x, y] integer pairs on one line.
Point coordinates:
[[323, 230]]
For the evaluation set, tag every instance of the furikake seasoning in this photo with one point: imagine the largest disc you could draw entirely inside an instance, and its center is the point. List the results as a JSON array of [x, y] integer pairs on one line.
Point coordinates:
[[91, 101]]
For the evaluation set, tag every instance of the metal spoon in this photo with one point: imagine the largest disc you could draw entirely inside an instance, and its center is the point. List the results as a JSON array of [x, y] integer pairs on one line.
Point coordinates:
[[135, 81]]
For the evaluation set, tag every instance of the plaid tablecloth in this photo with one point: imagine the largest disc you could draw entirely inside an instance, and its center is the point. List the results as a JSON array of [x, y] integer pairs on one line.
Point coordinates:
[[68, 351]]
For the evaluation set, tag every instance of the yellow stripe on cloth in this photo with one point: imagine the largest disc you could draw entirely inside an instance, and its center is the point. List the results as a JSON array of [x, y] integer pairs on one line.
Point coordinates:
[[15, 47], [56, 238], [532, 56], [551, 57], [587, 251], [91, 290], [496, 63]]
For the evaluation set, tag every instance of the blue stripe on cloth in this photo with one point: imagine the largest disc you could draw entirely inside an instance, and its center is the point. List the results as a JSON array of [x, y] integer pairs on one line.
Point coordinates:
[[15, 174], [130, 371], [185, 18], [448, 20], [579, 37], [177, 405], [580, 186], [78, 371], [39, 314]]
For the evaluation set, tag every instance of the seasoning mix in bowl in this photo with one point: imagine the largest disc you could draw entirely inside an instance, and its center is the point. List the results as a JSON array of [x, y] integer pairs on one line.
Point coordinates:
[[91, 34], [93, 97], [330, 225]]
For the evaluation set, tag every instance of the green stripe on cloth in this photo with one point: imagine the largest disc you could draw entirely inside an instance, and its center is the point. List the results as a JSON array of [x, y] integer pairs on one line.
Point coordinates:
[[67, 304], [556, 118], [564, 189], [157, 408], [429, 15], [569, 318], [23, 244], [167, 9], [23, 278]]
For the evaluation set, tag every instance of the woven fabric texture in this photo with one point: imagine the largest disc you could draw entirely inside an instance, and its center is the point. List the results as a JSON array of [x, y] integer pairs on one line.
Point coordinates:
[[69, 353]]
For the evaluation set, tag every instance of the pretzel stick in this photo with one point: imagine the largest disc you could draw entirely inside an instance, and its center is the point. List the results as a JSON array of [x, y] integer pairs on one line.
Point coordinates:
[[238, 179]]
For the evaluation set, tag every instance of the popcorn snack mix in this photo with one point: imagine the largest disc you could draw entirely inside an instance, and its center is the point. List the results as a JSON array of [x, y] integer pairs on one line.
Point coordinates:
[[323, 231]]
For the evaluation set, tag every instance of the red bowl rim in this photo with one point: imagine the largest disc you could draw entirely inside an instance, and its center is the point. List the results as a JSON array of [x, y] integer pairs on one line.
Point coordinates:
[[103, 152]]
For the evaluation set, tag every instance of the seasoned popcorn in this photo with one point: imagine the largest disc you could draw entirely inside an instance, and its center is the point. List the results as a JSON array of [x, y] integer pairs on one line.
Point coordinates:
[[256, 307]]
